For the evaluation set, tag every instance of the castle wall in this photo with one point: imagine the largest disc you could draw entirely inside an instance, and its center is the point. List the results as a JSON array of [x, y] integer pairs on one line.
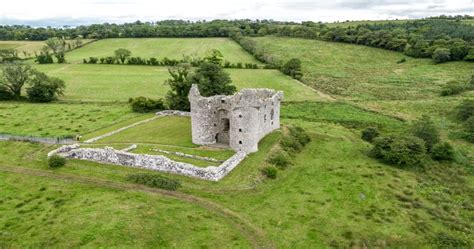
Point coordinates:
[[251, 114]]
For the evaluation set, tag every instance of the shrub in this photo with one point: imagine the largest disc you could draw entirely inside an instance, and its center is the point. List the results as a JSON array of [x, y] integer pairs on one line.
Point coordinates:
[[425, 129], [369, 133], [56, 161], [290, 144], [402, 60], [270, 172], [154, 181], [300, 134], [381, 144], [296, 139], [452, 88], [442, 152], [465, 110], [44, 88], [44, 58], [441, 55], [93, 60], [400, 151], [280, 159], [5, 94], [143, 105], [293, 68]]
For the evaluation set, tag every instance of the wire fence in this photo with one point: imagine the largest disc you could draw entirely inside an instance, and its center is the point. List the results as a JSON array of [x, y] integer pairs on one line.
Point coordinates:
[[45, 140]]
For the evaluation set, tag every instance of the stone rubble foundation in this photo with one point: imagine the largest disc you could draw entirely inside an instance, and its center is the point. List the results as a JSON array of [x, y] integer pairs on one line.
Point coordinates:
[[110, 155]]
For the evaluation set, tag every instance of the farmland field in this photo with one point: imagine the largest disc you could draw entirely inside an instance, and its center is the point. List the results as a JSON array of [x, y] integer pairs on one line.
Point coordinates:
[[333, 193], [172, 48], [28, 48], [59, 119], [120, 82], [365, 73]]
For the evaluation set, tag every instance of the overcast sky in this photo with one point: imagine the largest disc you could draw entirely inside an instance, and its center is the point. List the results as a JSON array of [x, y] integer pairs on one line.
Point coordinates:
[[63, 12]]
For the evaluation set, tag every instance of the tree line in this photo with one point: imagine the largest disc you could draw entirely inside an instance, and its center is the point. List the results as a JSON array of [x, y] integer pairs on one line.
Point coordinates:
[[442, 38], [124, 56]]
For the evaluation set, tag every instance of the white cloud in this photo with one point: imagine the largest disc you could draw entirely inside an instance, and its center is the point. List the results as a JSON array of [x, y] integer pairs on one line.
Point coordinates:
[[56, 12]]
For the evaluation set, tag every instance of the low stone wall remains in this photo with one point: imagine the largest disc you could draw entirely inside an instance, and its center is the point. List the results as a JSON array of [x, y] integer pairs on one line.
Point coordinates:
[[110, 155]]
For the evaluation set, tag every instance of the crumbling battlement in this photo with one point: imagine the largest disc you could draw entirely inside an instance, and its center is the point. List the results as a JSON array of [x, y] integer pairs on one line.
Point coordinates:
[[238, 120]]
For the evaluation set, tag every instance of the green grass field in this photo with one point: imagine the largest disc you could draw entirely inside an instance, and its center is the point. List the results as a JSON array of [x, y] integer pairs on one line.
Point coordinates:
[[166, 130], [332, 195], [75, 216], [120, 82], [28, 48], [172, 48], [52, 120], [365, 73]]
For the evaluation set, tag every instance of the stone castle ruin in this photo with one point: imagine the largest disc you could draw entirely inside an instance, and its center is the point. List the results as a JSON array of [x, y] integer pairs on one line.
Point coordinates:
[[238, 121]]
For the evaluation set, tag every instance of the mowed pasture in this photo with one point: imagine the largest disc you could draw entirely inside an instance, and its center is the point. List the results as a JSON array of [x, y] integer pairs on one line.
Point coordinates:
[[165, 130], [54, 120], [120, 82], [27, 49], [172, 48]]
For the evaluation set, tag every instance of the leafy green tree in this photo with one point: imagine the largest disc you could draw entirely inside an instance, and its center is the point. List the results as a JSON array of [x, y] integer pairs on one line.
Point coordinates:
[[58, 46], [8, 55], [212, 80], [293, 68], [44, 58], [470, 55], [177, 96], [14, 77], [43, 88], [425, 129], [441, 55], [214, 56], [458, 49], [122, 54]]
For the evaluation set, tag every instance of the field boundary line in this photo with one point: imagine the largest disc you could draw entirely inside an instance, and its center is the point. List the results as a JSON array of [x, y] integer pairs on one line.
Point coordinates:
[[252, 232]]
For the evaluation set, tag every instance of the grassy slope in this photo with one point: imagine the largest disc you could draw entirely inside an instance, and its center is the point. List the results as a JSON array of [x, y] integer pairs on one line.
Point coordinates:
[[372, 78], [333, 194], [78, 215], [364, 73], [173, 48], [118, 83]]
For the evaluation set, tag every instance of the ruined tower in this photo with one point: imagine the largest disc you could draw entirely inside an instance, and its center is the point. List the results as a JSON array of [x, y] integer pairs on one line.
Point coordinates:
[[238, 120]]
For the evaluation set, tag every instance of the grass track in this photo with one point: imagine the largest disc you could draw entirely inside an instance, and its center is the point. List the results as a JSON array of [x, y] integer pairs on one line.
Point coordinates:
[[254, 234]]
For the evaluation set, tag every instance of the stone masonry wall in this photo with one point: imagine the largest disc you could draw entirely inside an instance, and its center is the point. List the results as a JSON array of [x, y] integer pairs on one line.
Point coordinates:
[[110, 155]]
